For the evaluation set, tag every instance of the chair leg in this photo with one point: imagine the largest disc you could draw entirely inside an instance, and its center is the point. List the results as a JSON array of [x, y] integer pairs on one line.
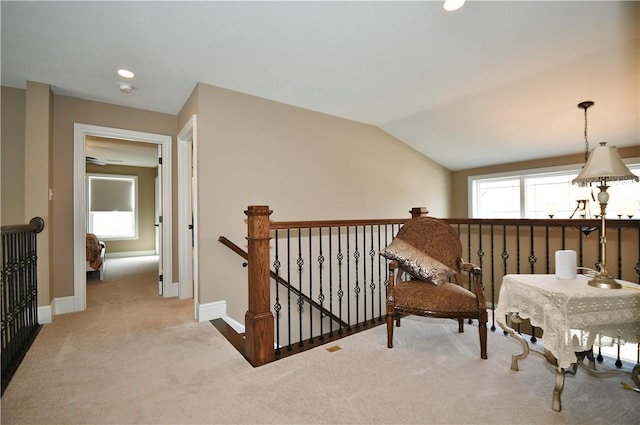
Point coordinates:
[[482, 328], [390, 330], [460, 325]]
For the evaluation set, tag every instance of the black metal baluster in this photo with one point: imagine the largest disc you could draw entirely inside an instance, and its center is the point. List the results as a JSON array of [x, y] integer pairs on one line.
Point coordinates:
[[386, 270], [340, 294], [517, 248], [331, 280], [518, 327], [532, 261], [31, 307], [321, 294], [505, 256], [372, 285], [618, 361], [380, 279], [619, 253], [580, 249], [348, 280], [493, 282], [311, 339], [356, 289], [480, 256], [546, 233], [277, 307], [289, 346], [469, 251], [300, 263], [364, 274]]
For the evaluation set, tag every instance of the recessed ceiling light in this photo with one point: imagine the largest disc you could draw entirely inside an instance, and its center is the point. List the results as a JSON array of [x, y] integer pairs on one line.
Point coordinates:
[[451, 5], [125, 73]]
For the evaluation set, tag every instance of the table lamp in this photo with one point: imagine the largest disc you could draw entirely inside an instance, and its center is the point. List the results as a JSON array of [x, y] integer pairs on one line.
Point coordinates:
[[604, 166]]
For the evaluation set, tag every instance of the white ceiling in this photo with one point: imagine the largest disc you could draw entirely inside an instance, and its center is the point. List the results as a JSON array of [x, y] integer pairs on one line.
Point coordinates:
[[494, 82]]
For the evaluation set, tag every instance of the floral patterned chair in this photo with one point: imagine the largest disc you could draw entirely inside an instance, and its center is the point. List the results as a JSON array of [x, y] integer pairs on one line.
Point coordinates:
[[425, 278]]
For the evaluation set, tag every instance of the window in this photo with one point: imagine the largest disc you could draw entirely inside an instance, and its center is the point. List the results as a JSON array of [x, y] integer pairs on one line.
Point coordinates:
[[113, 206], [539, 193]]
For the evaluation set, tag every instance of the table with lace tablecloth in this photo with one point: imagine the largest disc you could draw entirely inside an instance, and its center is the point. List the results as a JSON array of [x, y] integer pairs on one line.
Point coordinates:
[[574, 317]]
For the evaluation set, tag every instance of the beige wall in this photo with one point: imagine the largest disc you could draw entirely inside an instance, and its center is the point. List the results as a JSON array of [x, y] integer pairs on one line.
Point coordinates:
[[37, 177], [12, 143], [459, 196], [146, 207], [67, 111], [304, 165]]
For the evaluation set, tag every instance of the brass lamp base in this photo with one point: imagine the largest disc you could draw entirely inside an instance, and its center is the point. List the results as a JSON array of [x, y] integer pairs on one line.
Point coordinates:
[[603, 281]]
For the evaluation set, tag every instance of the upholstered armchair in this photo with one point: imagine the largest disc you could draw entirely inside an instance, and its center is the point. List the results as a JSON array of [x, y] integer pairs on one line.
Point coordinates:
[[425, 278]]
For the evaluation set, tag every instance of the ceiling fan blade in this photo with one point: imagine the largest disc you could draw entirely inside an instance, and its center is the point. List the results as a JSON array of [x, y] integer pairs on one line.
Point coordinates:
[[92, 160]]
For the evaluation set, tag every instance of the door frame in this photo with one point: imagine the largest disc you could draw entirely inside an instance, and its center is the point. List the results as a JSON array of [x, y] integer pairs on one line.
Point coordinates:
[[187, 148], [80, 132]]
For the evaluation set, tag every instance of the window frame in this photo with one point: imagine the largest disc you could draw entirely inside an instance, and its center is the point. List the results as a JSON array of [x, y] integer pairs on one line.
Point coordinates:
[[105, 176], [523, 175]]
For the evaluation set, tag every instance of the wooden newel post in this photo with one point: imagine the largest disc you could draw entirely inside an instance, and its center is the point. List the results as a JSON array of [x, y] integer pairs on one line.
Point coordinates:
[[419, 212], [258, 320]]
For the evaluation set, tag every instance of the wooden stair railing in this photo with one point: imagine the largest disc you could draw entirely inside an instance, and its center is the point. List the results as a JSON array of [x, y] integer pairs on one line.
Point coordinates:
[[235, 248], [259, 320]]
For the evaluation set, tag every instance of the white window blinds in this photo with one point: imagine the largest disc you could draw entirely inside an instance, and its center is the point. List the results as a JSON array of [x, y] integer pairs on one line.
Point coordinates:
[[112, 193]]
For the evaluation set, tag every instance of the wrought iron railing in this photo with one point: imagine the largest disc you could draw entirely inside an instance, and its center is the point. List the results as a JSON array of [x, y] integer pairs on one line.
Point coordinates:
[[332, 282], [19, 294]]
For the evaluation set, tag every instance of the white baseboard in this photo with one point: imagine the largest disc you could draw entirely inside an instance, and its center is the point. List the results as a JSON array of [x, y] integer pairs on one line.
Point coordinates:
[[61, 305], [172, 291], [129, 254], [239, 327], [217, 310], [44, 314], [210, 311], [64, 305]]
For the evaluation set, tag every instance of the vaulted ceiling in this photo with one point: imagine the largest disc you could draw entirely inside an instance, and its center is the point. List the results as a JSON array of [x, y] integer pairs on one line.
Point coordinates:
[[493, 82]]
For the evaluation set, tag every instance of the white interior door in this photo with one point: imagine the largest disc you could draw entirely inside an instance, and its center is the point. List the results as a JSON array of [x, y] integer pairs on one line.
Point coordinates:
[[158, 223], [188, 213]]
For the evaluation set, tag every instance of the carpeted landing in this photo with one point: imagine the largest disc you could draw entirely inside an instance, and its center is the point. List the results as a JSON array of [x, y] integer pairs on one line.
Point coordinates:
[[147, 361]]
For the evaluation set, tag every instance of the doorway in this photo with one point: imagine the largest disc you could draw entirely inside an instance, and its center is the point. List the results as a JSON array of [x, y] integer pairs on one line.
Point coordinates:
[[81, 132]]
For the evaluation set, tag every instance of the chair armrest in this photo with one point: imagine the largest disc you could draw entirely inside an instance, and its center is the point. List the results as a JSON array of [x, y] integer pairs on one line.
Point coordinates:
[[478, 285], [469, 267]]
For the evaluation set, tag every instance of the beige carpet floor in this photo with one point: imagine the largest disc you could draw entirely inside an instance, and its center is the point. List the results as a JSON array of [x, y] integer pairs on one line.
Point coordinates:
[[139, 358]]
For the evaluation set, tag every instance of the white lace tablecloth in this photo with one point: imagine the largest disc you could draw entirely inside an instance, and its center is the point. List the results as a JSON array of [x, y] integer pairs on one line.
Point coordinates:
[[573, 315]]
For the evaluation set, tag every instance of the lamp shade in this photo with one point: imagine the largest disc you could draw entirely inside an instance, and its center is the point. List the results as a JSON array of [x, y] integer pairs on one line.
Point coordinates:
[[604, 163]]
